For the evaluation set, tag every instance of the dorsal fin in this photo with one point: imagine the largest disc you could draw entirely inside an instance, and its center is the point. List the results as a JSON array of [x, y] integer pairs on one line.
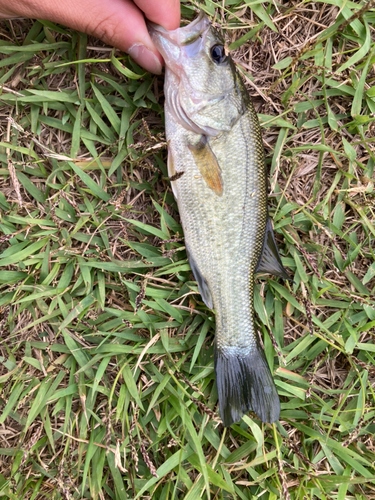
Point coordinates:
[[269, 261]]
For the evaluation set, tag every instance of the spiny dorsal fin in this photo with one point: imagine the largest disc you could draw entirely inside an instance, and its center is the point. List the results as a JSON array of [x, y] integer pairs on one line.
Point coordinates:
[[270, 261]]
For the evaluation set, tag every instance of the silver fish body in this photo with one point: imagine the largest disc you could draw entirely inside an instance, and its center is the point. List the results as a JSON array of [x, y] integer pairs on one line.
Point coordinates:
[[216, 157]]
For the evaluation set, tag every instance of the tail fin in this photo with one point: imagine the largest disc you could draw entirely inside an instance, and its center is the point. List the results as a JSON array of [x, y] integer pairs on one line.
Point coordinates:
[[245, 383]]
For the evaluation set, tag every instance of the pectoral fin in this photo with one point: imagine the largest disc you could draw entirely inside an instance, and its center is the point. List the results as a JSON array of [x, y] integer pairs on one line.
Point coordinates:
[[270, 261], [208, 165], [202, 283]]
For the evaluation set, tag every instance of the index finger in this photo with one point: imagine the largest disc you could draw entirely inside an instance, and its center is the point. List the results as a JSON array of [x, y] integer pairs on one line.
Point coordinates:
[[163, 12]]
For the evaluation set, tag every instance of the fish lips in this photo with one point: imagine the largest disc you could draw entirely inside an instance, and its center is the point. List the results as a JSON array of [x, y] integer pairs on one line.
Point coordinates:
[[177, 45]]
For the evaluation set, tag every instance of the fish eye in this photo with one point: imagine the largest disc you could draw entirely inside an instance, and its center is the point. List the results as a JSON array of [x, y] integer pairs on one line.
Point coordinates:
[[218, 54]]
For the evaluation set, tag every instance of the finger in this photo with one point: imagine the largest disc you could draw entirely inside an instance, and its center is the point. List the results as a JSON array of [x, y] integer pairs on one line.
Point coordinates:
[[166, 12], [119, 23]]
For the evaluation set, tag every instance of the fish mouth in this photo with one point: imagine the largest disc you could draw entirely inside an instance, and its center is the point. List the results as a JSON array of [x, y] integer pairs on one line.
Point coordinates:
[[182, 42], [157, 30]]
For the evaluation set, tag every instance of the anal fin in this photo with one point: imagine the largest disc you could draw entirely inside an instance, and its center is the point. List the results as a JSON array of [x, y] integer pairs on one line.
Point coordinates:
[[200, 279], [269, 261]]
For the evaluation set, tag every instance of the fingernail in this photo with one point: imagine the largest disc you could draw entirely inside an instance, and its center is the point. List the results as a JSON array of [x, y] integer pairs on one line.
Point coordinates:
[[147, 59]]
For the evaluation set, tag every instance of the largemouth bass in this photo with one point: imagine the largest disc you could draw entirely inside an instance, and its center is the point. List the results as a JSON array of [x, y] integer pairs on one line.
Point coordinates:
[[218, 176]]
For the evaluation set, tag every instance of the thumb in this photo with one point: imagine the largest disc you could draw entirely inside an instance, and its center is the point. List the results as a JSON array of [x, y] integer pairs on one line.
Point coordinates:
[[119, 23]]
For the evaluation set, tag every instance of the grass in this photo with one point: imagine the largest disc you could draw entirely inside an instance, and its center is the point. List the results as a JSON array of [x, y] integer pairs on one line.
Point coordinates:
[[107, 388]]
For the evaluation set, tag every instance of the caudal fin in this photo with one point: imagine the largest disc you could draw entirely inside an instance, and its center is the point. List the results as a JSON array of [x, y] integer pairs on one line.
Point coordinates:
[[245, 383]]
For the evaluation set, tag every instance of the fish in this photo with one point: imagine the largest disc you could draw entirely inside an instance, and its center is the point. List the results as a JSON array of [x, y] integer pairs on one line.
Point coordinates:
[[218, 176]]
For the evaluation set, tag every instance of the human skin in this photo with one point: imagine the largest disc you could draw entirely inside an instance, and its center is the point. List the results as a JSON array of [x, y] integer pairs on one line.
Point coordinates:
[[119, 23]]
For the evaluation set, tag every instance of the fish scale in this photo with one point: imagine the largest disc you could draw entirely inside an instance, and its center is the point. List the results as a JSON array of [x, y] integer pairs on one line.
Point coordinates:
[[235, 225], [215, 145]]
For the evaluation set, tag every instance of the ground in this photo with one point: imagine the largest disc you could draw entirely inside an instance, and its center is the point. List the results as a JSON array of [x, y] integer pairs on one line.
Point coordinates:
[[107, 388]]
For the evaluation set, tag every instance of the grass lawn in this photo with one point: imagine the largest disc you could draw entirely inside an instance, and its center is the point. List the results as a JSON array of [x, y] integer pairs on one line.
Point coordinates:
[[107, 388]]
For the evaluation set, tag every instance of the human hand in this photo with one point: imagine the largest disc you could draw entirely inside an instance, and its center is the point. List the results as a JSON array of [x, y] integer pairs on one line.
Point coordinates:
[[119, 23]]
